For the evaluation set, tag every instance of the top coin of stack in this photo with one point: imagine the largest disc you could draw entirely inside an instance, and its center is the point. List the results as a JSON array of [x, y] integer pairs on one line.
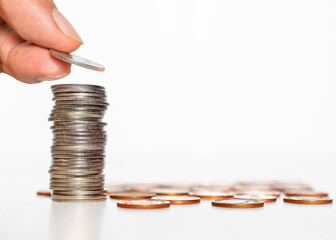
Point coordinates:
[[79, 143]]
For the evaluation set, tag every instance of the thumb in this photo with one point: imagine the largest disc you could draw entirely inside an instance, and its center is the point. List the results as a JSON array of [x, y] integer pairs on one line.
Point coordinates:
[[39, 22]]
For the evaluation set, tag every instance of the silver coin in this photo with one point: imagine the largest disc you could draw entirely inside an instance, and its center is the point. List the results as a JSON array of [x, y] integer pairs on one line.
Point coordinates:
[[82, 127], [77, 131], [82, 103], [71, 85], [78, 136], [69, 188], [80, 107], [76, 114], [71, 180], [78, 149], [77, 167], [78, 184], [77, 110], [78, 89], [75, 161], [79, 193], [78, 146], [82, 162], [71, 156], [74, 172], [79, 61], [79, 94], [76, 98], [98, 144], [77, 164], [67, 176]]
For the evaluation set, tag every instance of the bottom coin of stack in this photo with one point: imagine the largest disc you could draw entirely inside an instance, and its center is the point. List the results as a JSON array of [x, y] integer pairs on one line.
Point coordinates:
[[79, 143]]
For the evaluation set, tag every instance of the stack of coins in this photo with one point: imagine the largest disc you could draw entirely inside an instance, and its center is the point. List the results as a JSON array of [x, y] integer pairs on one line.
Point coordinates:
[[79, 143]]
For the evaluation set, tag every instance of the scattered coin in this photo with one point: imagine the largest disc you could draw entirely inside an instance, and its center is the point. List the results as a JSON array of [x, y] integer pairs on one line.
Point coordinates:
[[169, 191], [308, 200], [213, 187], [131, 195], [259, 192], [237, 203], [143, 204], [212, 194], [74, 59], [291, 186], [306, 193], [45, 193], [142, 187], [263, 198], [178, 199]]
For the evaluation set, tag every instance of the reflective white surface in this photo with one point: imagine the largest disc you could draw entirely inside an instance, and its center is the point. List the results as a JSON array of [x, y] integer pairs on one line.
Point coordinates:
[[26, 216]]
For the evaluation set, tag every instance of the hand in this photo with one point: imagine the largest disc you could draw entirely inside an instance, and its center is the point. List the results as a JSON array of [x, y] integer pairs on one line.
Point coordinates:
[[28, 28]]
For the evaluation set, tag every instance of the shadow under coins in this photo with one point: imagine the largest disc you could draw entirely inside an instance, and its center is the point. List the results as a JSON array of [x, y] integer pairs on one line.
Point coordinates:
[[71, 221]]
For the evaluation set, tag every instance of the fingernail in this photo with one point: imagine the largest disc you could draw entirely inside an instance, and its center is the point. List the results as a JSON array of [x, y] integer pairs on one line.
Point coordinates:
[[65, 26], [50, 77]]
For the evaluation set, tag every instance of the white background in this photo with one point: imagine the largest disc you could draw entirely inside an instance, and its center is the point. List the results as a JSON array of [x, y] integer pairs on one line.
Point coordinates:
[[199, 91]]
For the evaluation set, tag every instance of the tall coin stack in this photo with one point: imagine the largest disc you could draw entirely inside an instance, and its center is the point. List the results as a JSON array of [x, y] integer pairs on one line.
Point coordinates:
[[79, 143]]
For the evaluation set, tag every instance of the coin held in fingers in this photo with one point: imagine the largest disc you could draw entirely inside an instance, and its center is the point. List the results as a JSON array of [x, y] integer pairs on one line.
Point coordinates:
[[77, 60]]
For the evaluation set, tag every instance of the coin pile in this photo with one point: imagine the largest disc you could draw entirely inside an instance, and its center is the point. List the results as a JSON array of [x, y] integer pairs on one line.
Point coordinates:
[[79, 143]]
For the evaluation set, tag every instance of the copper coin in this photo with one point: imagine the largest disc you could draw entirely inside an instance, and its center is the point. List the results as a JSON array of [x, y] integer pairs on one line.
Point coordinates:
[[178, 199], [237, 203], [282, 186], [252, 187], [308, 200], [142, 187], [212, 194], [143, 204], [259, 192], [169, 191], [306, 194], [263, 198], [45, 193], [131, 195], [214, 188]]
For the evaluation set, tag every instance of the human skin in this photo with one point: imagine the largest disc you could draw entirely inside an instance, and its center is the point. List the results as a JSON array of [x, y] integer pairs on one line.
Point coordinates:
[[28, 29]]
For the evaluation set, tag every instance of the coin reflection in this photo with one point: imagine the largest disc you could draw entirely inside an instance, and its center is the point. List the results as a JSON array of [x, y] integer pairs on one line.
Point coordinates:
[[76, 220]]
